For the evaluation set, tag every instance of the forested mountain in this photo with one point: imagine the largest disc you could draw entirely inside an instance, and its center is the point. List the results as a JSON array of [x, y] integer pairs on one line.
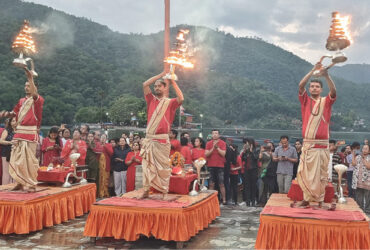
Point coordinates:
[[85, 68], [358, 73]]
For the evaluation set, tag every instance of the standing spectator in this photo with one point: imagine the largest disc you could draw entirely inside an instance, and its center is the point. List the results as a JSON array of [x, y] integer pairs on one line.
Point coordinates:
[[249, 158], [286, 156], [366, 142], [7, 141], [361, 178], [235, 166], [66, 135], [132, 160], [124, 135], [333, 160], [74, 145], [175, 144], [232, 167], [104, 166], [130, 140], [113, 142], [265, 157], [185, 151], [137, 138], [215, 153], [120, 167], [268, 175], [85, 129], [51, 147], [94, 149], [355, 150], [198, 150], [187, 136], [230, 161], [97, 136], [347, 151], [298, 148]]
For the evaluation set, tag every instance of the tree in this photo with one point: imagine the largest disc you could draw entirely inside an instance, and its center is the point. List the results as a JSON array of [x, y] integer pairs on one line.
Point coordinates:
[[88, 115], [123, 107]]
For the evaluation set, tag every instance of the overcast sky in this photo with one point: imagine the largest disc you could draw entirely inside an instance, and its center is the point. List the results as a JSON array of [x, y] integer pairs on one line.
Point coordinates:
[[300, 26]]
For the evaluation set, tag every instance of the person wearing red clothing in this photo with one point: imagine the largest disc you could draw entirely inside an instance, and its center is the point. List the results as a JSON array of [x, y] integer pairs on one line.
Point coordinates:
[[187, 136], [185, 151], [312, 174], [74, 145], [198, 150], [23, 163], [156, 146], [215, 153], [104, 166], [51, 147], [175, 144], [133, 159]]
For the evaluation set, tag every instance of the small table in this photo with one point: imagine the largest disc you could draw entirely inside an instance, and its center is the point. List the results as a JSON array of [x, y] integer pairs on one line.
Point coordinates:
[[62, 176], [295, 192]]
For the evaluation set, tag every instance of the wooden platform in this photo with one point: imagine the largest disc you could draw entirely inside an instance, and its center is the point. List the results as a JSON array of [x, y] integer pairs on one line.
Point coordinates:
[[177, 219], [22, 212], [283, 227]]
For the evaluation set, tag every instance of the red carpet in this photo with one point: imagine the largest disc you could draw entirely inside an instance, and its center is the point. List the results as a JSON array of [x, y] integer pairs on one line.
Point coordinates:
[[147, 203], [339, 215], [19, 196]]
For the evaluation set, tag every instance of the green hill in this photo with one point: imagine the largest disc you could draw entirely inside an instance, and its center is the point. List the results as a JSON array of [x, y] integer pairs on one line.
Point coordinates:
[[84, 64], [358, 73]]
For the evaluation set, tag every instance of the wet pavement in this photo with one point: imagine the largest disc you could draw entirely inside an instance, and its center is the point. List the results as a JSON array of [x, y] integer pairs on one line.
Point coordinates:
[[237, 227]]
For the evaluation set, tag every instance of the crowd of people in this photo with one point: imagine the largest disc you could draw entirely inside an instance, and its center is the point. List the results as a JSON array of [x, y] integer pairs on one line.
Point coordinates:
[[251, 173], [111, 163], [254, 172]]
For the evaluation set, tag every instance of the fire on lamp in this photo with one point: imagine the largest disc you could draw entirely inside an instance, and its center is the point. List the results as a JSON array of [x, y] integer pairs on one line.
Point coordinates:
[[179, 56], [339, 39], [24, 44]]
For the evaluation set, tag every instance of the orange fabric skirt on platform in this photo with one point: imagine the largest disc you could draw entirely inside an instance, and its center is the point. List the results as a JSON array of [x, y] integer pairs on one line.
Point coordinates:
[[56, 205], [280, 232], [128, 223]]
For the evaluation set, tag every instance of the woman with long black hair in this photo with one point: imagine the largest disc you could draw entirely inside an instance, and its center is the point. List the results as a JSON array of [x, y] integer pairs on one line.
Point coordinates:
[[51, 147], [6, 142], [249, 158]]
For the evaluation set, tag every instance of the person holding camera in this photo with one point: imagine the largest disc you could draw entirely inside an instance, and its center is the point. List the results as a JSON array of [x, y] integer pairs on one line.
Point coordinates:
[[51, 147], [249, 158], [285, 155], [215, 154]]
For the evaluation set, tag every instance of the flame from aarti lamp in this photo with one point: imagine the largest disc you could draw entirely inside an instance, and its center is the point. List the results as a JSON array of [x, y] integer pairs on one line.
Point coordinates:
[[24, 43], [179, 57], [339, 35], [339, 39]]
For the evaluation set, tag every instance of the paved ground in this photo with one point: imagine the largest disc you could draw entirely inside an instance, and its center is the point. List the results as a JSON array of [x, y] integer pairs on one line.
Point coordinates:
[[236, 228]]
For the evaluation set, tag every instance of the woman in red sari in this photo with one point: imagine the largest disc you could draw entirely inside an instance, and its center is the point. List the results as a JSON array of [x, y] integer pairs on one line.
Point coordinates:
[[104, 166], [51, 147], [74, 145], [133, 159], [198, 151]]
